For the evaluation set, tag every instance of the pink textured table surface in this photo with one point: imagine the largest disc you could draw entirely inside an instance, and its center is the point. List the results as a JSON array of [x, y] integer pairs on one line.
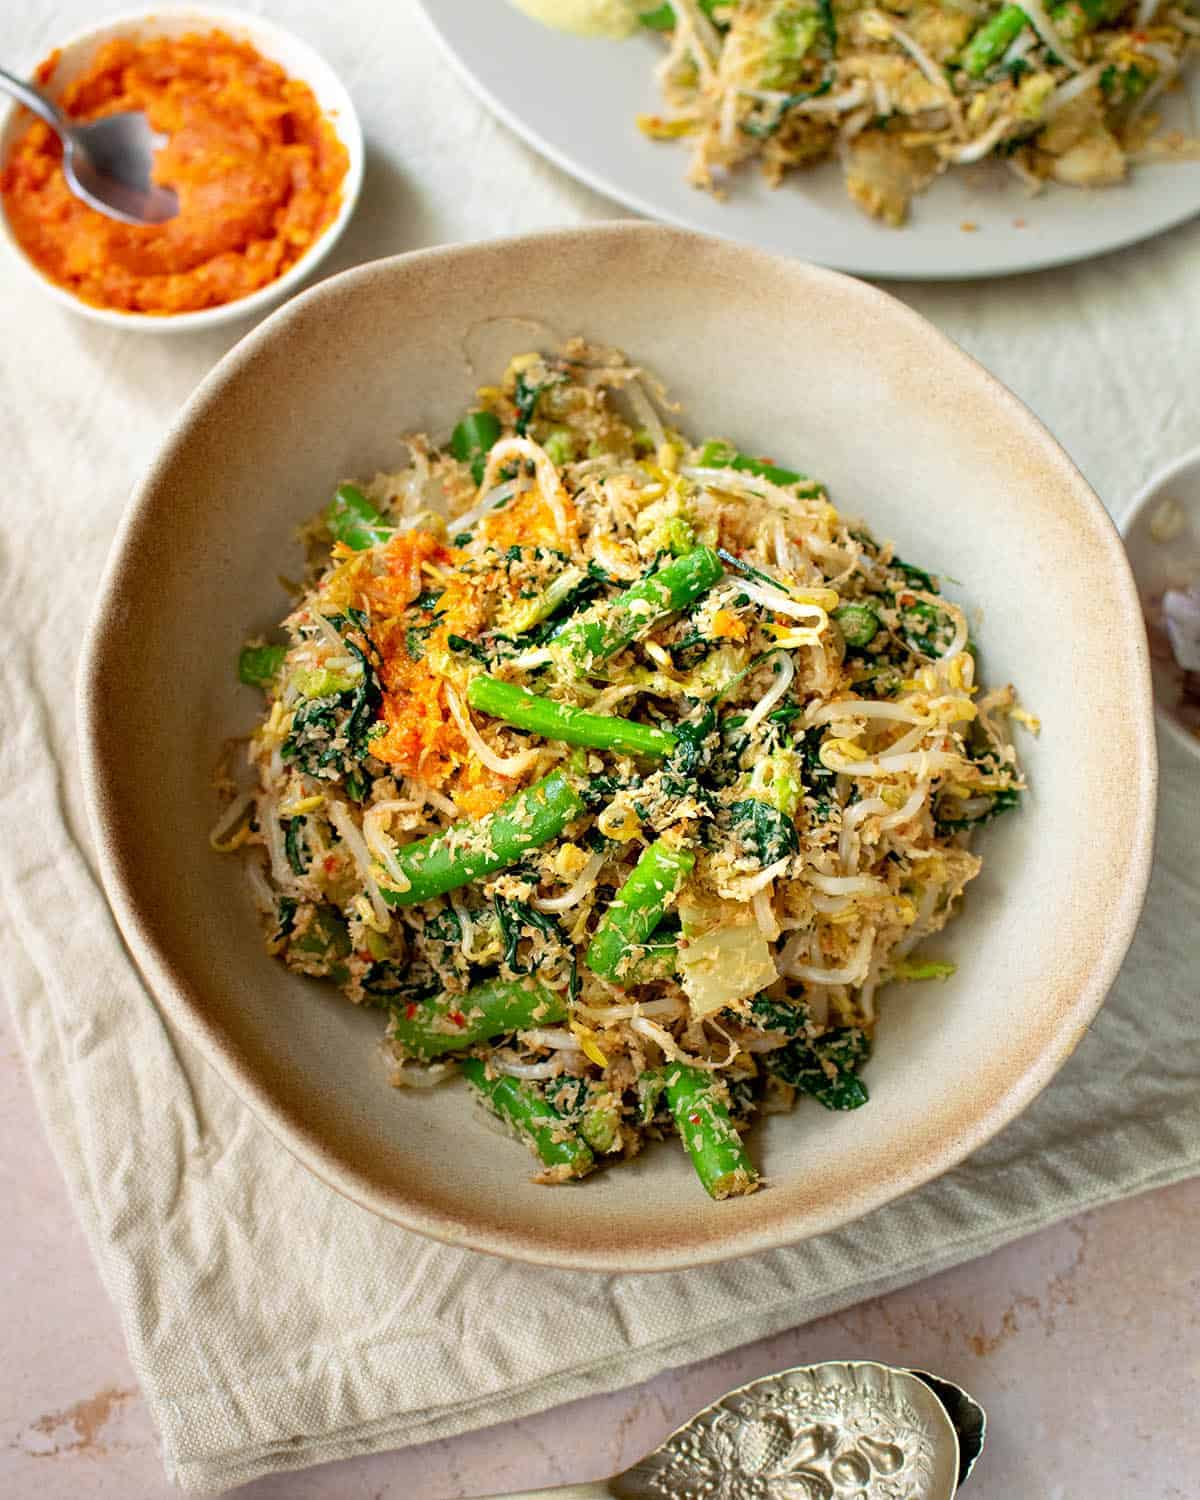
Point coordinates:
[[1083, 1342]]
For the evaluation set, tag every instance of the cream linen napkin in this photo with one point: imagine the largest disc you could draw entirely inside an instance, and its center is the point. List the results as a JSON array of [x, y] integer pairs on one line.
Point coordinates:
[[272, 1324]]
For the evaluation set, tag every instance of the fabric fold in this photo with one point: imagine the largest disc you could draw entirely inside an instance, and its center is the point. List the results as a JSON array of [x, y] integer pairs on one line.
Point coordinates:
[[272, 1324]]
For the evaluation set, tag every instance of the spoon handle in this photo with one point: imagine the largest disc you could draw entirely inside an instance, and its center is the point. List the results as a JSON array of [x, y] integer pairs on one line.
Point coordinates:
[[596, 1490], [35, 100]]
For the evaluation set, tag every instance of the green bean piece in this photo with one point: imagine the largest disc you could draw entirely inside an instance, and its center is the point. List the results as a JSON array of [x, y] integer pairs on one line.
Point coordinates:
[[351, 518], [560, 721], [993, 39], [858, 622], [1072, 18], [601, 1124], [656, 959], [543, 605], [710, 1136], [541, 1127], [637, 909], [258, 666], [470, 850], [452, 1023], [679, 536], [595, 637], [718, 455], [473, 439]]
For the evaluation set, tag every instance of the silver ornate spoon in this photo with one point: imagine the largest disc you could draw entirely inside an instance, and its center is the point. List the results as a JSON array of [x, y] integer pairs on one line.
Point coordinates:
[[106, 163], [845, 1430]]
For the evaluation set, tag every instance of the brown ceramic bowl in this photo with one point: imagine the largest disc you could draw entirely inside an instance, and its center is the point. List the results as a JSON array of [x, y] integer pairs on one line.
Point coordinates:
[[906, 430]]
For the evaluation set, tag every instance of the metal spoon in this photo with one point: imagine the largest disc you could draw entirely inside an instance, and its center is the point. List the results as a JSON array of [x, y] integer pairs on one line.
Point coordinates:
[[852, 1430], [107, 163]]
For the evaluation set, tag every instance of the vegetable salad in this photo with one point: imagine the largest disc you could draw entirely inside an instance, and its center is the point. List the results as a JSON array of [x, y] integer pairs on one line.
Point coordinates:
[[906, 89], [622, 793]]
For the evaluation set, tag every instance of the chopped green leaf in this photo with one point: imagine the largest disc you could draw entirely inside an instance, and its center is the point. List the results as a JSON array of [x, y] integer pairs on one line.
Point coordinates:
[[295, 844], [526, 396], [790, 1017], [464, 647], [827, 1068], [763, 830], [1002, 801], [515, 917], [718, 455]]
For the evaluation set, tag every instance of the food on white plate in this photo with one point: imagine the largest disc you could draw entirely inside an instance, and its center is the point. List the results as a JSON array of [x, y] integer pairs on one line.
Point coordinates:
[[624, 792], [899, 93], [604, 18]]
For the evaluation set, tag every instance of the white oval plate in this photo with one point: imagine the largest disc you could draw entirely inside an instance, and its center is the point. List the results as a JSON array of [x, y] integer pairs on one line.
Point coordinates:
[[575, 99]]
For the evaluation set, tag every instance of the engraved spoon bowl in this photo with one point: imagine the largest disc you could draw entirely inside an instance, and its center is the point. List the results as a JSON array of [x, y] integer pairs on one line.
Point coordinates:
[[842, 1430]]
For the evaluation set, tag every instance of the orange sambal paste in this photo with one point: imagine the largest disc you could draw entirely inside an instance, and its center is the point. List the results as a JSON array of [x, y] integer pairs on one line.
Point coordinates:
[[257, 167]]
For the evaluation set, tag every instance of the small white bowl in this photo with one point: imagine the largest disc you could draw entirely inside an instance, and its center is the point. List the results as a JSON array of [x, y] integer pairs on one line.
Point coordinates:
[[1159, 565], [297, 59]]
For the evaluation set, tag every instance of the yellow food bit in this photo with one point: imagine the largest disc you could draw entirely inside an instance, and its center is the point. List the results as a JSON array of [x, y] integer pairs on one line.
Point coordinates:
[[1030, 721], [628, 827], [906, 910], [893, 796], [488, 393], [789, 635], [847, 749], [366, 914], [234, 842], [569, 860], [668, 457], [341, 551], [822, 598], [952, 710], [589, 1041], [304, 805], [660, 129], [519, 363]]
